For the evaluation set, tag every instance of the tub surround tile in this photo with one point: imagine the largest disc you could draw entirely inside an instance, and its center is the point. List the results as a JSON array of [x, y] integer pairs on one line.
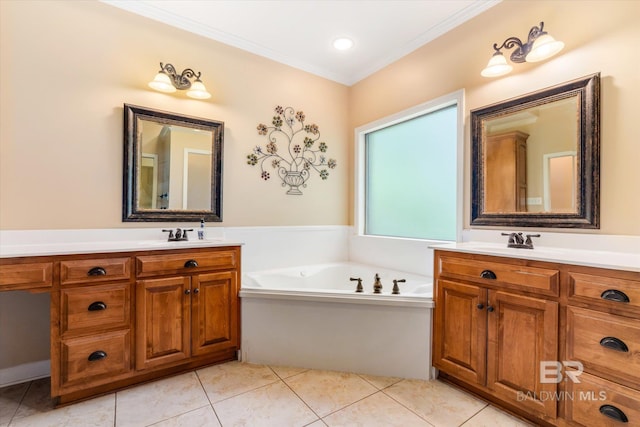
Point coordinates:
[[98, 412], [438, 403], [10, 398], [287, 371], [230, 379], [492, 417], [380, 382], [376, 410], [201, 417], [159, 400], [329, 391], [272, 405]]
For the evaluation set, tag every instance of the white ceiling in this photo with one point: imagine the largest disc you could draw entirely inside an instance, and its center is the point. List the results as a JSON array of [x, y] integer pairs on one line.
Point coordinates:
[[299, 33]]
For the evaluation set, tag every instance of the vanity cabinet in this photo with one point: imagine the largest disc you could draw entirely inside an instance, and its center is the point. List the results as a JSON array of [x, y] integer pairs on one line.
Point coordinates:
[[192, 313], [493, 326], [122, 318], [497, 319]]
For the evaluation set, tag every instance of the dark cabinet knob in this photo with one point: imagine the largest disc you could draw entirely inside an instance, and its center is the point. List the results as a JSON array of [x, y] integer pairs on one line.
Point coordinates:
[[187, 291], [480, 306], [97, 355], [97, 306], [97, 271], [488, 274], [614, 343], [191, 263], [196, 291], [613, 413], [614, 295], [490, 309]]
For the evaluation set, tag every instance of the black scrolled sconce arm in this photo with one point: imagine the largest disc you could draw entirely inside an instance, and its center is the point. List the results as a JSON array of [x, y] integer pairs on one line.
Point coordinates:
[[180, 80], [523, 49]]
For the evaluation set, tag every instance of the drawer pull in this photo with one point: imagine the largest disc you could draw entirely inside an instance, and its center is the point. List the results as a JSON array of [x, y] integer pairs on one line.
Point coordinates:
[[97, 271], [613, 413], [488, 274], [614, 295], [97, 306], [97, 355], [192, 263], [614, 344]]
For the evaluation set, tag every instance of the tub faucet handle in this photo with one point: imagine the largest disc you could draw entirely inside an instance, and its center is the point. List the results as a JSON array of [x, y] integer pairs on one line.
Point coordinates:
[[377, 285], [396, 288], [359, 287]]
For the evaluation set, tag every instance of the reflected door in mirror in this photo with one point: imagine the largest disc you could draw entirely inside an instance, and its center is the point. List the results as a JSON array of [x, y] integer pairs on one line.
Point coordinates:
[[506, 173]]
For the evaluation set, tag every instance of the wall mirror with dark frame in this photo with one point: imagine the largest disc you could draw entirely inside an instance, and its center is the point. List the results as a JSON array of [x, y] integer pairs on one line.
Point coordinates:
[[172, 166], [536, 158]]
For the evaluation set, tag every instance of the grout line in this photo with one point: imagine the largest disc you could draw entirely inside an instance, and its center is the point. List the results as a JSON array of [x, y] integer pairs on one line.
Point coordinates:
[[24, 394], [301, 399], [207, 396]]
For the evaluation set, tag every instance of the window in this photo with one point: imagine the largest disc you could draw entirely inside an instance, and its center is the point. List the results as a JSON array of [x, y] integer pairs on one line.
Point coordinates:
[[410, 172]]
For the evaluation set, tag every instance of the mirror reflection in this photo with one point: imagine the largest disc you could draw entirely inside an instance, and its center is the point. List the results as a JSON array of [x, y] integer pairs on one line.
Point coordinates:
[[172, 167], [535, 158]]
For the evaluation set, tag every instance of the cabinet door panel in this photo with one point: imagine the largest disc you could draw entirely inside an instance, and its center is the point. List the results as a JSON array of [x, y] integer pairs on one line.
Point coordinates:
[[214, 311], [522, 332], [162, 321], [459, 343]]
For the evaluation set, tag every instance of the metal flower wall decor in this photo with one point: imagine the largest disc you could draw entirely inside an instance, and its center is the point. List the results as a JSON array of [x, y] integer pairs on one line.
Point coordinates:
[[292, 151]]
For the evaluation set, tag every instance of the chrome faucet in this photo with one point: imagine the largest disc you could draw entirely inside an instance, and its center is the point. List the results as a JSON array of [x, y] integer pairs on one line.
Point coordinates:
[[516, 240], [377, 285]]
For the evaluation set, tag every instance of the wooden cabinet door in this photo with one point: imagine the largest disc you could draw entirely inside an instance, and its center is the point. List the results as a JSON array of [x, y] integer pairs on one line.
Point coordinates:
[[460, 331], [214, 312], [522, 332], [162, 321]]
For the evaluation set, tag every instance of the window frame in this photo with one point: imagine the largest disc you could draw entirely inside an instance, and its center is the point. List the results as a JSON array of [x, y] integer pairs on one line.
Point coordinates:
[[454, 98]]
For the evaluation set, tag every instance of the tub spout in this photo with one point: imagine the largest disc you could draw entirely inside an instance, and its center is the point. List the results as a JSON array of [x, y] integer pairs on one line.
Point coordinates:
[[377, 285]]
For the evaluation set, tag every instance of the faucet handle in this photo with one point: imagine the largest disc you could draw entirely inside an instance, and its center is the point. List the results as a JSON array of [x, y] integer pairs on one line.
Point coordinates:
[[396, 288], [528, 241], [359, 287], [170, 233]]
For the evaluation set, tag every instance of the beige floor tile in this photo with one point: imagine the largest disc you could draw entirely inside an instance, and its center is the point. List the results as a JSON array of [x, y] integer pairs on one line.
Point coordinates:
[[159, 400], [287, 371], [380, 382], [37, 399], [272, 405], [10, 398], [98, 412], [435, 401], [377, 410], [318, 423], [201, 417], [492, 417], [230, 379], [328, 391]]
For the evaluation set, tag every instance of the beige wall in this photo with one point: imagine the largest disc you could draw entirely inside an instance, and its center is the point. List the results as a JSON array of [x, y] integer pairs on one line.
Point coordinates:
[[600, 36], [67, 67]]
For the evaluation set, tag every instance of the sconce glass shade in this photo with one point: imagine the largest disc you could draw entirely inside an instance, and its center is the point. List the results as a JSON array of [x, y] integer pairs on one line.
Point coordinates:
[[544, 47], [497, 66], [162, 83], [198, 91]]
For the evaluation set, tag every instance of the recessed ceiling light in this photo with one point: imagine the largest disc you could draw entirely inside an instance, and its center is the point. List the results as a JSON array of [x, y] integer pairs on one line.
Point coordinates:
[[343, 43]]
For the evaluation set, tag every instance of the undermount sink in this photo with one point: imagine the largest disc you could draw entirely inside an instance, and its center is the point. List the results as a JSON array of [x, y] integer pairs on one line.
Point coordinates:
[[194, 242]]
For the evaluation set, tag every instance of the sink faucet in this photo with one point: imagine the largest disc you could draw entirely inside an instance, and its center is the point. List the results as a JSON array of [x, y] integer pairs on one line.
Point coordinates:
[[516, 240], [179, 236], [377, 285]]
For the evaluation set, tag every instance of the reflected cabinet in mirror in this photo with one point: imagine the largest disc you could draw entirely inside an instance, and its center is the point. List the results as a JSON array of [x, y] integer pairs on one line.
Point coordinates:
[[172, 166], [536, 158]]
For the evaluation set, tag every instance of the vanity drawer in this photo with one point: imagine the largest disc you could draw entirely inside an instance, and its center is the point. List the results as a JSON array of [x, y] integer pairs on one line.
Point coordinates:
[[26, 276], [94, 270], [532, 279], [95, 308], [83, 359], [151, 265], [589, 400], [605, 343], [609, 292]]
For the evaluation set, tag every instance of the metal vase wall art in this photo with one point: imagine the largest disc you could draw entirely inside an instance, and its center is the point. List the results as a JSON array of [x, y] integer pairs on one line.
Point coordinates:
[[293, 151]]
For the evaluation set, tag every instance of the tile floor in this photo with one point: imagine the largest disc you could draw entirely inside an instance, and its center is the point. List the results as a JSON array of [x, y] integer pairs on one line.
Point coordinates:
[[241, 394]]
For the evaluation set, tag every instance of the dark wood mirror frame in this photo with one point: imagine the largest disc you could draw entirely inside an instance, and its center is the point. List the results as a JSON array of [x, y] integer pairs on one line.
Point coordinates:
[[587, 89], [131, 173]]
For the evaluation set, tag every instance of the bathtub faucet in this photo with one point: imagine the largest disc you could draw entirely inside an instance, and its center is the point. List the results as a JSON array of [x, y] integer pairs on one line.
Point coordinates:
[[359, 287], [396, 288], [377, 285]]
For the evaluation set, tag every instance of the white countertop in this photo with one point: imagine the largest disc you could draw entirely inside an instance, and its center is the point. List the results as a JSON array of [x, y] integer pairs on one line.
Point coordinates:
[[591, 258]]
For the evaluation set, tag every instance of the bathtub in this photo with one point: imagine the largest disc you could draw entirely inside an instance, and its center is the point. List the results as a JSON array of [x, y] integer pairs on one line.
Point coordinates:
[[311, 317]]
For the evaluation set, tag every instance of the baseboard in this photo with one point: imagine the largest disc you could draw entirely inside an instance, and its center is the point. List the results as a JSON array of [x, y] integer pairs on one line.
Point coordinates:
[[25, 372]]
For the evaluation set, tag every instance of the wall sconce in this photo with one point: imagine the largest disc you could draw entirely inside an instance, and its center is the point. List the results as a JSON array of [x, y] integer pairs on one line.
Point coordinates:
[[539, 46], [168, 80]]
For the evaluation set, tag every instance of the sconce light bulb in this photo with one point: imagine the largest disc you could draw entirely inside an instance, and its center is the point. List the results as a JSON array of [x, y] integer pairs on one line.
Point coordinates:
[[544, 47], [198, 91], [497, 66], [162, 83]]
